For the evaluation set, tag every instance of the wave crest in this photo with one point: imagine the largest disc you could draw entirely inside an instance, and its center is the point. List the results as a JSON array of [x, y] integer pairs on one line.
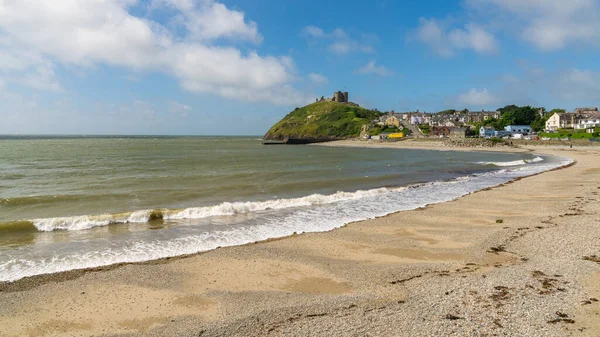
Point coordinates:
[[76, 223], [512, 163]]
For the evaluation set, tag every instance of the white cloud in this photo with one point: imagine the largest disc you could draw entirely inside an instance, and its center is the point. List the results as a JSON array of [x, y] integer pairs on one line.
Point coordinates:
[[547, 24], [313, 31], [476, 98], [318, 78], [445, 43], [372, 68], [210, 20], [42, 78], [339, 41], [37, 36], [473, 37]]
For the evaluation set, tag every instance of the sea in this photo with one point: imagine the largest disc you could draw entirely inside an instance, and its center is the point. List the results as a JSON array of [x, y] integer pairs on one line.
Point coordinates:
[[74, 202]]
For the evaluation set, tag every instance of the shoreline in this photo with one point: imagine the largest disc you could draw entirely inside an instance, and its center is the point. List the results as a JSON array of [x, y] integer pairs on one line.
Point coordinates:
[[29, 282], [386, 251]]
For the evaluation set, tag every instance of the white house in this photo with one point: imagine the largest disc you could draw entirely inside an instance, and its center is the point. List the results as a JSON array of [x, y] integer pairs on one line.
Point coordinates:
[[588, 121], [581, 118], [487, 131], [556, 121], [416, 119]]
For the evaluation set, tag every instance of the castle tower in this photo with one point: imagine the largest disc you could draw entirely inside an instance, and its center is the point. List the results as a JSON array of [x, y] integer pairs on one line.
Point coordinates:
[[338, 96], [346, 97]]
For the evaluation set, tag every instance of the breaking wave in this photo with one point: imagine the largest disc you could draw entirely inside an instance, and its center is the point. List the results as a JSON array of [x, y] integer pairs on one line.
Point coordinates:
[[512, 163], [77, 223]]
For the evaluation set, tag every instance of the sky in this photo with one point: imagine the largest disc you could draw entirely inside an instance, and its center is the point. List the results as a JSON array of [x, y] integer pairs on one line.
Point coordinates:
[[208, 67]]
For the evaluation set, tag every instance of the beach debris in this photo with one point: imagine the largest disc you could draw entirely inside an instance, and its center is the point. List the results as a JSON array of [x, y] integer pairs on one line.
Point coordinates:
[[497, 249], [499, 220], [501, 294], [592, 258], [562, 317], [406, 279], [589, 301], [549, 284], [453, 317]]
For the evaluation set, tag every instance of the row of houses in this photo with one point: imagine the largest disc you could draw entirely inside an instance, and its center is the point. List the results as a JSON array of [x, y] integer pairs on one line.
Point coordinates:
[[457, 119], [455, 124], [396, 119], [580, 119]]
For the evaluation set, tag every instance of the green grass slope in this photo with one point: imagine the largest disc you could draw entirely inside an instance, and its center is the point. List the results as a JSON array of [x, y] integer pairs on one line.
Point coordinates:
[[322, 121]]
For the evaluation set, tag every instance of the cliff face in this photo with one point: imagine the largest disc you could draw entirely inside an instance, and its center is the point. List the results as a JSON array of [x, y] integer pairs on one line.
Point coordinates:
[[322, 121]]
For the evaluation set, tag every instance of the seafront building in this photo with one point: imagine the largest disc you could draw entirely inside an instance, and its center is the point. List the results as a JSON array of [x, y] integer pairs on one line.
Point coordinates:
[[589, 121], [580, 118], [486, 131], [514, 129]]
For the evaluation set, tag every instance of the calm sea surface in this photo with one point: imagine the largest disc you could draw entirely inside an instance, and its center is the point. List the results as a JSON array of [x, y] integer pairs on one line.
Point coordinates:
[[76, 202]]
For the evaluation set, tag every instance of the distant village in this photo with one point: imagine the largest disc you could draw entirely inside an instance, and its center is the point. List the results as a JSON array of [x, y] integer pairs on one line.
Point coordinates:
[[461, 124]]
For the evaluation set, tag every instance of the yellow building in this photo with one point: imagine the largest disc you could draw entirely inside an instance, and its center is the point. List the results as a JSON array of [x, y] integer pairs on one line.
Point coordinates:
[[396, 135]]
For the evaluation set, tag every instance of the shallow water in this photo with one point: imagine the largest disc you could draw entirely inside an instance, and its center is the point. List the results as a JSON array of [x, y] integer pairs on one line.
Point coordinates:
[[68, 203]]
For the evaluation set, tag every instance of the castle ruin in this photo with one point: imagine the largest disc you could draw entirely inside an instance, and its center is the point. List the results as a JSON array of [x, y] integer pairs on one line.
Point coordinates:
[[340, 97]]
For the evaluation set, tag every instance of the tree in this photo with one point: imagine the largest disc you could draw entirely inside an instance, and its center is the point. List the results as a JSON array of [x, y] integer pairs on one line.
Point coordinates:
[[514, 115], [507, 108]]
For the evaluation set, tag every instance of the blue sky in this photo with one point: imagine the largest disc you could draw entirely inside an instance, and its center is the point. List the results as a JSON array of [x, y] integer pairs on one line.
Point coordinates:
[[204, 67]]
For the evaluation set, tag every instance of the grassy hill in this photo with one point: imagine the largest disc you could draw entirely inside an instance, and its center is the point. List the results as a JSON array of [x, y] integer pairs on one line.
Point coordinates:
[[322, 121]]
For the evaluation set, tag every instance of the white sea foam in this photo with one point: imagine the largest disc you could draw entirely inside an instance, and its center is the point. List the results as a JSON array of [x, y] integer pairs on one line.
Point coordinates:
[[536, 160], [512, 163], [73, 223], [77, 223], [83, 222], [323, 213], [228, 208]]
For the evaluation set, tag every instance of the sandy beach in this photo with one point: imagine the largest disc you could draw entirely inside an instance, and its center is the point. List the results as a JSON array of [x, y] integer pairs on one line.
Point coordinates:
[[519, 259]]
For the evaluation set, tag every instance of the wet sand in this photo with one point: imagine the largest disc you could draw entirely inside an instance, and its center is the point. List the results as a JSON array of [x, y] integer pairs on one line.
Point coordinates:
[[451, 268]]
